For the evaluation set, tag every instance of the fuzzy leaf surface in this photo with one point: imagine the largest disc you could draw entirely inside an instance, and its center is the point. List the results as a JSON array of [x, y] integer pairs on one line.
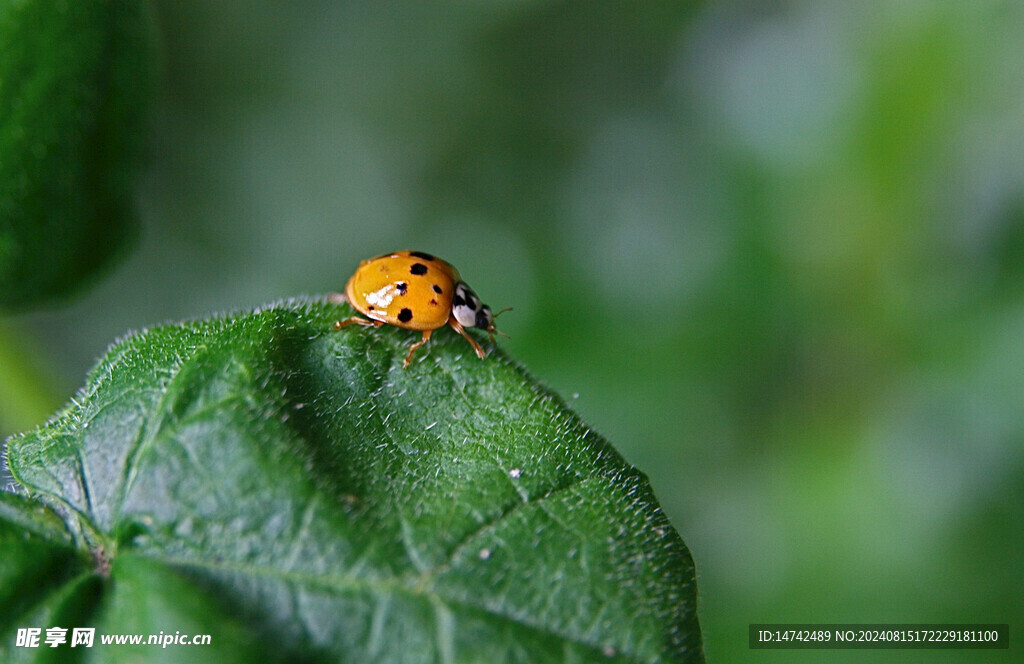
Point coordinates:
[[299, 490]]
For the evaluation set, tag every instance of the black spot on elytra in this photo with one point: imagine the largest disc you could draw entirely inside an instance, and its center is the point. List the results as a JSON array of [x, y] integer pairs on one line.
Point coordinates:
[[405, 315], [418, 268], [437, 289], [370, 307], [433, 303], [420, 254], [402, 287]]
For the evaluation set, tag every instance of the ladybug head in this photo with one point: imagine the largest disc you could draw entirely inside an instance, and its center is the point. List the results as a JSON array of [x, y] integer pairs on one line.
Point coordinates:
[[471, 312]]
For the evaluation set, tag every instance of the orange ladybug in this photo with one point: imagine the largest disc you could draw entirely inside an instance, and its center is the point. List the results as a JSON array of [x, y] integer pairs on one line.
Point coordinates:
[[415, 291]]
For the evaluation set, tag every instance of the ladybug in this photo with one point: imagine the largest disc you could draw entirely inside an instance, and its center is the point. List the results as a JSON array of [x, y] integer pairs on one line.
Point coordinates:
[[415, 291]]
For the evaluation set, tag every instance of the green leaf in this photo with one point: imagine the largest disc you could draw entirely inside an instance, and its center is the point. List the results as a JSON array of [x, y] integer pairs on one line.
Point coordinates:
[[74, 84], [296, 479]]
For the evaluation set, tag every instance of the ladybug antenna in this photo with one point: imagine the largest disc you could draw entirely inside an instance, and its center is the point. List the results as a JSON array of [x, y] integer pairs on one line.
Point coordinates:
[[494, 329]]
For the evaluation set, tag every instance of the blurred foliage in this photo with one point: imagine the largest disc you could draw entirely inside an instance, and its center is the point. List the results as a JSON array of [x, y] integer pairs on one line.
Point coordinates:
[[775, 249], [74, 86]]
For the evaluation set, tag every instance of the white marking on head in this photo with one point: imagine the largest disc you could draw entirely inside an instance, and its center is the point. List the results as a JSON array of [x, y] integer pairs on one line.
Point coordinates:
[[465, 304]]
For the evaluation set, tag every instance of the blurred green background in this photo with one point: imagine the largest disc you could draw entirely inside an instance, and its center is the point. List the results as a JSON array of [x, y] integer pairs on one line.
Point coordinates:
[[773, 251]]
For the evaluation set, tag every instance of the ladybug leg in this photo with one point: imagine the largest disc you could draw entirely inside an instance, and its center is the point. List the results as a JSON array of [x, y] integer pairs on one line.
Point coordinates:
[[356, 320], [412, 349], [457, 326]]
